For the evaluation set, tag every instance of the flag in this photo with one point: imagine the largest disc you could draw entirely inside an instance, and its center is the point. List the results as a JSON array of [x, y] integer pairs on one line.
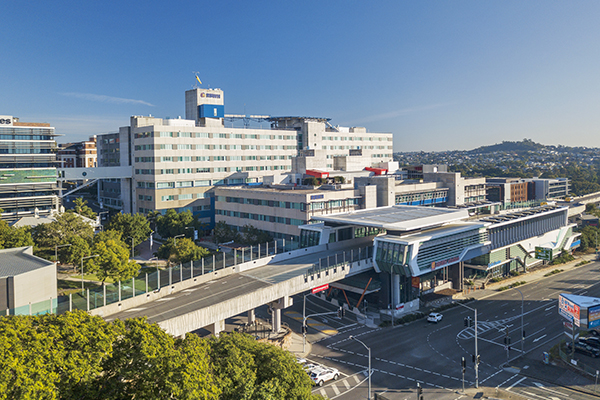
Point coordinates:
[[198, 79]]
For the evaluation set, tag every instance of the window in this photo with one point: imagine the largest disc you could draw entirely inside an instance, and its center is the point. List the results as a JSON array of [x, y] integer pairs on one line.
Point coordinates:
[[186, 196], [202, 183], [184, 184], [165, 185]]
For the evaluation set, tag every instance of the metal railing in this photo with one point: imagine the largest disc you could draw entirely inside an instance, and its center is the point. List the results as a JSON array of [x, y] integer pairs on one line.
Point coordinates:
[[103, 295], [338, 260]]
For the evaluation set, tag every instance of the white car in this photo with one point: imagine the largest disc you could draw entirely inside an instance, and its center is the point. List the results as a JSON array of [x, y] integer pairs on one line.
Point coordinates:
[[322, 375], [434, 317]]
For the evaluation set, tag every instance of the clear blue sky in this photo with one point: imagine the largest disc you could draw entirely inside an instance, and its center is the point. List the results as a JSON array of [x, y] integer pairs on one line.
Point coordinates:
[[439, 75]]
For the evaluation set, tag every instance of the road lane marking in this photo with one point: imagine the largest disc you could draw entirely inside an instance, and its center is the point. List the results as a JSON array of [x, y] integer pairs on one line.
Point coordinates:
[[516, 383], [540, 338], [356, 379], [345, 382], [550, 390], [323, 393], [549, 308], [534, 395]]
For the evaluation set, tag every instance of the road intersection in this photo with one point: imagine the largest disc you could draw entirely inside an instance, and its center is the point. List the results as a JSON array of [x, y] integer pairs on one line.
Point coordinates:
[[430, 354]]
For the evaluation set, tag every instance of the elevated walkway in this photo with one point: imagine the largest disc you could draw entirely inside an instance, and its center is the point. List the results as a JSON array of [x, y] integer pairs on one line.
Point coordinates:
[[206, 301]]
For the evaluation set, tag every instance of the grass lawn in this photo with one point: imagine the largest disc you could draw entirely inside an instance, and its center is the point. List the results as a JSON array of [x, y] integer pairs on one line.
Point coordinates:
[[92, 277]]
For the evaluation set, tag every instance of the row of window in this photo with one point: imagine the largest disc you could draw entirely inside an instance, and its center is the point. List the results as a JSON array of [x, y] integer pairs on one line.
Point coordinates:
[[210, 158], [381, 155], [359, 139], [212, 147], [357, 147], [320, 205], [261, 217], [140, 135], [208, 170]]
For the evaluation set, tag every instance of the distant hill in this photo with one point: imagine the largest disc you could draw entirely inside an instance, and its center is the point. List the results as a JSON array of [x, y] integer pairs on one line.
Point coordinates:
[[518, 147]]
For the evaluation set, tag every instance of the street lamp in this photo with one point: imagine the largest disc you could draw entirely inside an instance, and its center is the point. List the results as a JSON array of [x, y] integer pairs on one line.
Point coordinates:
[[84, 258], [56, 250], [369, 349], [131, 237], [476, 353], [522, 331], [175, 238]]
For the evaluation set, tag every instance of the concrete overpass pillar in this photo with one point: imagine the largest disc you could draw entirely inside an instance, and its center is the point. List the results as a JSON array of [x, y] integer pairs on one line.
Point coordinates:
[[276, 307], [276, 325], [217, 327], [251, 317], [395, 289]]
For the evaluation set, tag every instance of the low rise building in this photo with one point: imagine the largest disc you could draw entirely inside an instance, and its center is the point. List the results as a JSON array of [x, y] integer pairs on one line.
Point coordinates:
[[27, 283]]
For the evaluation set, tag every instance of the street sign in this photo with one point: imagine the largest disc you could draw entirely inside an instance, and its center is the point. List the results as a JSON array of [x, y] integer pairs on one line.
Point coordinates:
[[543, 253], [320, 288]]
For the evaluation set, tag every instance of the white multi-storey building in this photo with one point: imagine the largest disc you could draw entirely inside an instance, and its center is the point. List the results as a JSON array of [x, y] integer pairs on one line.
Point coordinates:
[[176, 162]]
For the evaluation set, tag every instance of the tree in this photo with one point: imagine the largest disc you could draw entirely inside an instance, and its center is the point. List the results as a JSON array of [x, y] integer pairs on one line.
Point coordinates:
[[248, 369], [79, 356], [224, 233], [253, 236], [57, 232], [11, 237], [79, 247], [172, 223], [185, 251], [82, 209], [112, 261], [131, 226]]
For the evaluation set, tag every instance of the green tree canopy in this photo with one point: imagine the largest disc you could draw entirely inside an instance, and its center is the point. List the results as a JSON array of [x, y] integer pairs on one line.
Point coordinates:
[[14, 237], [224, 233], [79, 356], [172, 223], [131, 226], [81, 208], [184, 251], [112, 261], [252, 236], [59, 231]]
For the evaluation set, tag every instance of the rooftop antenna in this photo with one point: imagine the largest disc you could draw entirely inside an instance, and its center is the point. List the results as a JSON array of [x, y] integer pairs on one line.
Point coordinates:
[[196, 73]]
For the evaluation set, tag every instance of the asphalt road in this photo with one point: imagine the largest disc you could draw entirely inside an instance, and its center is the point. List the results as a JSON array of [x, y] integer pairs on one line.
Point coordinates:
[[430, 354]]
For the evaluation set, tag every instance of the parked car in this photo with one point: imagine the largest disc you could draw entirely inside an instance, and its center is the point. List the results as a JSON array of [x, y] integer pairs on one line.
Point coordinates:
[[434, 317], [584, 349], [592, 341], [322, 375]]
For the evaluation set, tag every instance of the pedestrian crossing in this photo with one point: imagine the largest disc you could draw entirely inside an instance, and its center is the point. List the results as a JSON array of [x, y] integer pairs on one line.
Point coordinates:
[[337, 388], [320, 326]]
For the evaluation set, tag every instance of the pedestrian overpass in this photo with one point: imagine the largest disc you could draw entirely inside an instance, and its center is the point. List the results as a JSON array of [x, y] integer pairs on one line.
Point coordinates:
[[207, 300], [422, 250]]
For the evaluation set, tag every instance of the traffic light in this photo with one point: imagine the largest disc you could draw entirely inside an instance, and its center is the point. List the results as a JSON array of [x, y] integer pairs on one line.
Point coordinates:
[[474, 359], [464, 364], [304, 329], [341, 312], [523, 335], [468, 322], [478, 359], [419, 390]]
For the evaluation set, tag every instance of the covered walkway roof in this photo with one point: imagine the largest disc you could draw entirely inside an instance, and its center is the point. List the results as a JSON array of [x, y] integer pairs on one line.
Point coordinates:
[[396, 218]]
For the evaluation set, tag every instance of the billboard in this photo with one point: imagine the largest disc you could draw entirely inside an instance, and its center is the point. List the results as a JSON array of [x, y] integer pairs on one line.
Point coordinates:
[[568, 309], [593, 317]]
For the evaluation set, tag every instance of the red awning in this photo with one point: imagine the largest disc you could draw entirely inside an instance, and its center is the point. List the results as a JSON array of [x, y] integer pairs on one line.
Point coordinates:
[[317, 174], [378, 171]]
